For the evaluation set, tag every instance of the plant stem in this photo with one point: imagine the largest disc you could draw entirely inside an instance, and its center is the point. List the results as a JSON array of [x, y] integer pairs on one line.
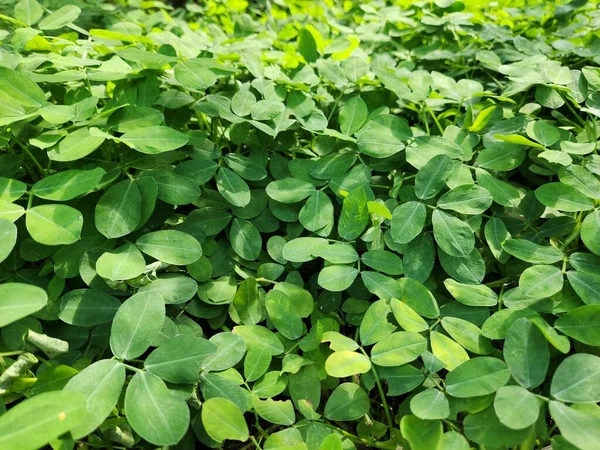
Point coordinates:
[[11, 353], [382, 395], [435, 119], [256, 444], [33, 158], [135, 369]]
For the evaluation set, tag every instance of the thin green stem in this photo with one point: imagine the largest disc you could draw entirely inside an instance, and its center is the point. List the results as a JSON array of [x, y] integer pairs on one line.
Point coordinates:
[[386, 408], [435, 119], [33, 158], [497, 283], [16, 353], [256, 444], [134, 369]]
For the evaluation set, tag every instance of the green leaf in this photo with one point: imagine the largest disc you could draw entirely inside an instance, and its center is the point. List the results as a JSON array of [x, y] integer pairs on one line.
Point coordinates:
[[447, 351], [59, 18], [419, 298], [28, 11], [563, 197], [289, 438], [453, 235], [119, 210], [289, 190], [582, 324], [485, 428], [579, 428], [589, 234], [479, 376], [530, 252], [307, 45], [347, 402], [54, 224], [526, 353], [377, 144], [223, 420], [277, 412], [353, 115], [88, 307], [170, 246], [101, 384], [155, 139], [76, 145], [577, 379], [232, 187], [467, 335], [8, 238], [421, 434], [174, 288], [543, 133], [18, 300], [407, 222], [179, 359], [397, 349], [136, 324], [516, 408], [19, 87], [586, 285], [317, 212], [406, 317], [430, 405], [284, 314], [432, 177], [375, 326], [341, 364], [471, 295], [68, 185], [192, 74], [337, 278], [154, 412], [245, 239], [37, 421], [354, 216], [123, 263], [466, 199]]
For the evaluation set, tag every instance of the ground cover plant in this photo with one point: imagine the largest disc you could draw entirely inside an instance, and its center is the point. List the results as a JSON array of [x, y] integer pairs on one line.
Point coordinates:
[[299, 225]]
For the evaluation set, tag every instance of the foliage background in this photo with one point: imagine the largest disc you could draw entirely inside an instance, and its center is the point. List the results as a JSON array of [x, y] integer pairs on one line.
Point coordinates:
[[299, 225]]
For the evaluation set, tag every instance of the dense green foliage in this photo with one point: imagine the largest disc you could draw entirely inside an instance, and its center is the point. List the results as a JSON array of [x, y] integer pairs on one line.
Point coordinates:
[[299, 225]]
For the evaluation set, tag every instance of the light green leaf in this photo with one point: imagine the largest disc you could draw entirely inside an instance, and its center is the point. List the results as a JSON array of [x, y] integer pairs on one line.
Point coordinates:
[[563, 197], [54, 224], [119, 210], [155, 139], [345, 363], [453, 235], [170, 246], [478, 376], [37, 421], [579, 428], [354, 216], [347, 402], [577, 379], [18, 300], [526, 353], [179, 359], [136, 324], [123, 263], [397, 349], [353, 115], [68, 185], [59, 18], [430, 405], [421, 434], [337, 278], [101, 384], [88, 307], [154, 412], [516, 408], [8, 238]]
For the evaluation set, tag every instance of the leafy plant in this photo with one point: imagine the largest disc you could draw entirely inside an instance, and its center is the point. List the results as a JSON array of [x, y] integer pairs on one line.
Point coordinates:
[[308, 225]]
